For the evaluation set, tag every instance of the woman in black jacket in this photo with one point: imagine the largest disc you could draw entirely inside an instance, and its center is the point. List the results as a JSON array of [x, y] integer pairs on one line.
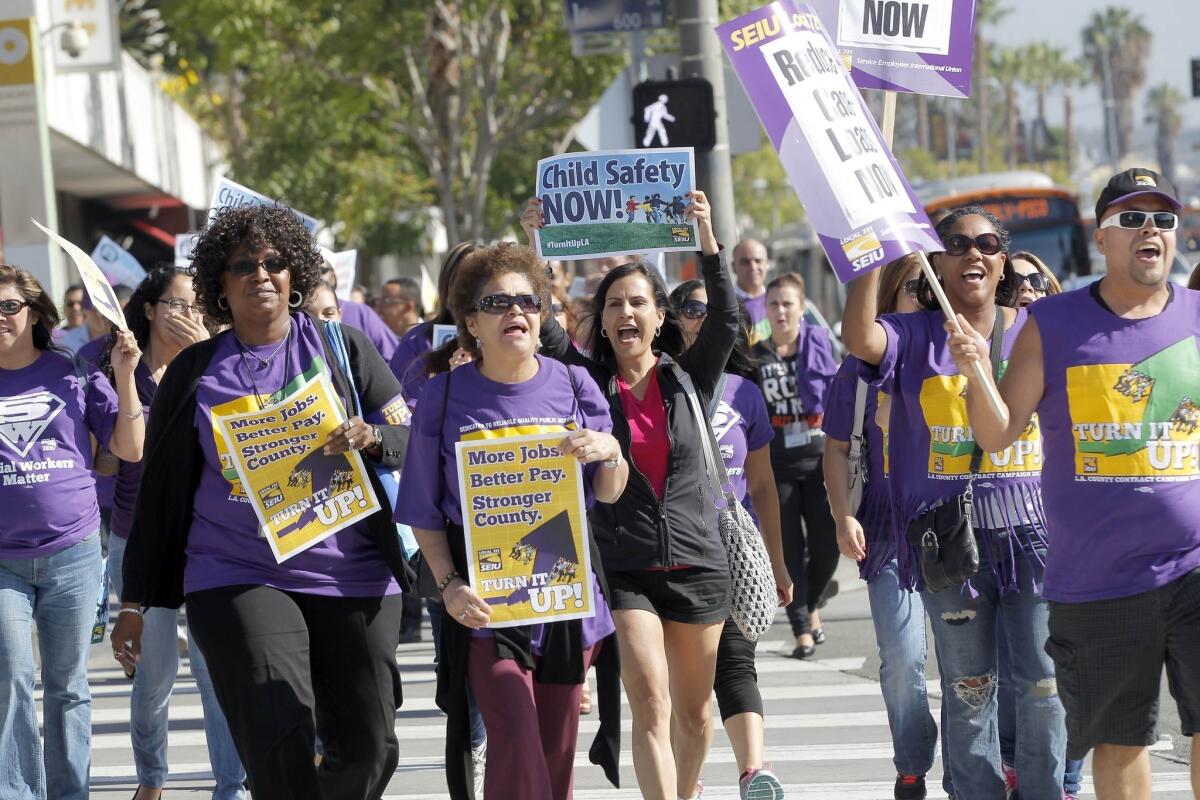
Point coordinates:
[[666, 566], [299, 643]]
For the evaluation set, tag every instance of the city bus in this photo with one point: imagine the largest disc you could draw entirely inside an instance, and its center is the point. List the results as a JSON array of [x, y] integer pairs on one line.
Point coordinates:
[[1043, 218]]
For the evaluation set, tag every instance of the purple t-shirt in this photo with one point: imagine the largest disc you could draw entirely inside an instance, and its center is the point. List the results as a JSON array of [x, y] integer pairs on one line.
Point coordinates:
[[225, 546], [741, 426], [408, 362], [129, 475], [105, 484], [756, 307], [1120, 411], [478, 408], [47, 490], [364, 318], [794, 389], [874, 513]]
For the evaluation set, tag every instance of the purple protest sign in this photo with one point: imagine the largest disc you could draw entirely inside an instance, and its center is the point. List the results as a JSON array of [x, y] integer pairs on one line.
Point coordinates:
[[918, 46], [856, 196]]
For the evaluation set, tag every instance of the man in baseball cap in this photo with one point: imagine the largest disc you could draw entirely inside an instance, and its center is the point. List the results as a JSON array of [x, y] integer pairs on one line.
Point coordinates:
[[1113, 372]]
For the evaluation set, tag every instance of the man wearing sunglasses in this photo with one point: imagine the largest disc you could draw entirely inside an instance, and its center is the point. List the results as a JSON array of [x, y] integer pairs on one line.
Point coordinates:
[[1113, 372]]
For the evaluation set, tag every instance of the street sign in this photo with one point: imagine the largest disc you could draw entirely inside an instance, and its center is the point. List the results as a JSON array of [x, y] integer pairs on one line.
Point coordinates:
[[99, 19], [676, 113], [609, 16]]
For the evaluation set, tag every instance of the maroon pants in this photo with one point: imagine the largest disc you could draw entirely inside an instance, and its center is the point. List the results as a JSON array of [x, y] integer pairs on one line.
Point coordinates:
[[531, 726]]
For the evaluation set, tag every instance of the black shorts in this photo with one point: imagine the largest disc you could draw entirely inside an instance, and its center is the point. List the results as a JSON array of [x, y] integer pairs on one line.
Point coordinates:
[[693, 595], [1108, 659]]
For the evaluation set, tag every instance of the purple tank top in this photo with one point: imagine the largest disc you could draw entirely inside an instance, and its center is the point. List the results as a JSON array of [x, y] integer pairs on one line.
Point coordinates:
[[1120, 413]]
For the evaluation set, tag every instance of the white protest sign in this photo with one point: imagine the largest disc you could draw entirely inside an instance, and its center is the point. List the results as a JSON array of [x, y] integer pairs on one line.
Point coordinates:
[[118, 263], [345, 266], [94, 282], [916, 27], [443, 334], [229, 193], [429, 295], [185, 247]]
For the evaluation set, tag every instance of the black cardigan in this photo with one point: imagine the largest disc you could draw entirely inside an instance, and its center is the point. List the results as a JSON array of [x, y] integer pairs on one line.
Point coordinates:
[[639, 532], [162, 516]]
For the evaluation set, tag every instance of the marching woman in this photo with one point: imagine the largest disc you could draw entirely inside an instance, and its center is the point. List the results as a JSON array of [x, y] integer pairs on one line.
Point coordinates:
[[796, 365], [164, 318], [302, 648], [526, 680], [865, 535], [666, 565], [938, 478], [743, 432], [50, 565]]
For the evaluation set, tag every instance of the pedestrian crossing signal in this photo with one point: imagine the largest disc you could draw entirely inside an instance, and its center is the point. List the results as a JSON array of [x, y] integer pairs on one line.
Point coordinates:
[[674, 113]]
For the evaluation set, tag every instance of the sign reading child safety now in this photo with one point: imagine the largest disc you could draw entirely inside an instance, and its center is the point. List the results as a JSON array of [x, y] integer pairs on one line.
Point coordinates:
[[301, 495], [526, 528]]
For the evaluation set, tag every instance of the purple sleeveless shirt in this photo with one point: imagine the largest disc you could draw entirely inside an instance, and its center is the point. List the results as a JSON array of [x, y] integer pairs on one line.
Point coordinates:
[[1121, 416], [874, 513], [931, 443]]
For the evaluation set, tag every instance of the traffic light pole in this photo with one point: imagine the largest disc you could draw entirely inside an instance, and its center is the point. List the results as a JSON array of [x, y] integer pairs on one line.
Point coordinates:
[[700, 56]]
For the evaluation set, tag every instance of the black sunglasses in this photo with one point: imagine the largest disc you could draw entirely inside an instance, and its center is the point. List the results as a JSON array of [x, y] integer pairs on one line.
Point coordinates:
[[501, 303], [557, 308], [912, 286], [1036, 280], [693, 309], [958, 244], [11, 307], [248, 266]]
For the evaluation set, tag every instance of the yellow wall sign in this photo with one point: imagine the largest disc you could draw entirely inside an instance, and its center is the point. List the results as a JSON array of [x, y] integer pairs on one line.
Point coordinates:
[[16, 52], [301, 495], [525, 519]]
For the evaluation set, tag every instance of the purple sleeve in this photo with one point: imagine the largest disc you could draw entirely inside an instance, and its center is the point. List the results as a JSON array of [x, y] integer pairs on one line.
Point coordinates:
[[821, 367], [356, 315], [839, 404], [887, 371], [753, 407], [594, 415], [100, 406], [422, 481]]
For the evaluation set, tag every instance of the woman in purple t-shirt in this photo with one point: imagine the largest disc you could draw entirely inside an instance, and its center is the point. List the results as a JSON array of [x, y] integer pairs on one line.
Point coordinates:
[[526, 680], [50, 565], [743, 432], [932, 452]]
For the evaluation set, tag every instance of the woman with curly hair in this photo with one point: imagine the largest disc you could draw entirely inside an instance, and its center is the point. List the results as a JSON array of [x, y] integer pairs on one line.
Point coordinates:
[[304, 647], [50, 565]]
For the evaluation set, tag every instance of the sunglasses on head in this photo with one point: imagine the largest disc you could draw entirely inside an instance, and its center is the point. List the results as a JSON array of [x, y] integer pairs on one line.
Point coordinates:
[[10, 307], [958, 244], [693, 309], [501, 303], [1036, 280], [1136, 220], [248, 266]]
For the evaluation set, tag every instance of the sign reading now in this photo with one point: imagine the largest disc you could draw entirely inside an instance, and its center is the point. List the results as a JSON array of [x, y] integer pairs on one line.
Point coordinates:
[[916, 27]]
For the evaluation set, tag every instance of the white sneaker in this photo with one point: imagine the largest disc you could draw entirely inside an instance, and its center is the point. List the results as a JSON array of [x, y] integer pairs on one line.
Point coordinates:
[[478, 762]]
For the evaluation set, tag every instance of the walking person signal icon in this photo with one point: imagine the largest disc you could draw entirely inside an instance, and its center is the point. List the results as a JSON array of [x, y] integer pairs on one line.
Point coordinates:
[[674, 113]]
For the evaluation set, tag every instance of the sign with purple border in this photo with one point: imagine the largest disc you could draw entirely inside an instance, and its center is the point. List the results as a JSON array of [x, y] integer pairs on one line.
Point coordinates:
[[856, 196], [917, 46]]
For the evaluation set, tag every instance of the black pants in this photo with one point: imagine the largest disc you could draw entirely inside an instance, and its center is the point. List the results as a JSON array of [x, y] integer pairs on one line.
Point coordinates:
[[809, 544], [736, 681], [287, 667]]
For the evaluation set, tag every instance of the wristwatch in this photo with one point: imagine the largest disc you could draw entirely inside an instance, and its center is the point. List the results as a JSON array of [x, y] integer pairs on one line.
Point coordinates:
[[377, 436]]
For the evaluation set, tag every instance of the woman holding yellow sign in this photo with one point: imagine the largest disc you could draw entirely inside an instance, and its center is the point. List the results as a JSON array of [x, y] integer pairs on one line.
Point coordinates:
[[525, 678], [256, 505]]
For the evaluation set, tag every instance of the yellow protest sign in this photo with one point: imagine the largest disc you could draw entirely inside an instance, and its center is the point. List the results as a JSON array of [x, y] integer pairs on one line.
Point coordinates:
[[525, 519], [301, 495]]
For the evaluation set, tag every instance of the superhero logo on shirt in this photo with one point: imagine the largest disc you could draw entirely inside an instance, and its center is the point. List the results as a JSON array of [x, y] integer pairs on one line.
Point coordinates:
[[724, 419], [1138, 422], [23, 419]]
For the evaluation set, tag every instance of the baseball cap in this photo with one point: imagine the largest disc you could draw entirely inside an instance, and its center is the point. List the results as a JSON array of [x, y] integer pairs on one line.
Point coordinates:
[[1135, 183]]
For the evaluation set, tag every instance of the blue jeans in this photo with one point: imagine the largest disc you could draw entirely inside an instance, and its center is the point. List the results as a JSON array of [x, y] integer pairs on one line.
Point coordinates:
[[58, 594], [156, 672], [964, 632], [1007, 718], [899, 618]]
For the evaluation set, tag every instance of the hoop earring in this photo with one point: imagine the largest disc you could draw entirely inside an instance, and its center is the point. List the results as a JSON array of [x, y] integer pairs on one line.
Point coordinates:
[[222, 303], [299, 301], [603, 333], [657, 331]]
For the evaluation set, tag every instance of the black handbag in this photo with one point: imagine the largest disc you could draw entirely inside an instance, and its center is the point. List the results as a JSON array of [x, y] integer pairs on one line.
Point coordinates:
[[945, 534]]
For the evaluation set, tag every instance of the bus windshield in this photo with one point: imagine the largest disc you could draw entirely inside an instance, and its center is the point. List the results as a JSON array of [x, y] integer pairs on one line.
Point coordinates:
[[1053, 244]]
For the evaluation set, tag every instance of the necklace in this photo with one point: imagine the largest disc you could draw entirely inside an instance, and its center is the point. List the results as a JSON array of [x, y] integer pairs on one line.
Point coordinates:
[[264, 362], [258, 395]]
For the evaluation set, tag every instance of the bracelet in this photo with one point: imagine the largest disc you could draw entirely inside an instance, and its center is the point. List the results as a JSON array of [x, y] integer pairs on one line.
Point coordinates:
[[137, 611], [444, 582], [134, 415]]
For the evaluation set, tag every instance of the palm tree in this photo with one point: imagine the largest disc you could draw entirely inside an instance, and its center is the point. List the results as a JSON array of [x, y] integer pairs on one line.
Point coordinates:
[[1071, 74], [1162, 108], [987, 12], [1117, 45], [1041, 66], [1006, 64]]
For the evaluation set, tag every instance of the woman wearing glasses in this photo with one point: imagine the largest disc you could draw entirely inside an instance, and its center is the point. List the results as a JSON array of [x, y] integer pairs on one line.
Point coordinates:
[[164, 318], [50, 565], [299, 648], [1034, 279], [932, 463], [525, 680]]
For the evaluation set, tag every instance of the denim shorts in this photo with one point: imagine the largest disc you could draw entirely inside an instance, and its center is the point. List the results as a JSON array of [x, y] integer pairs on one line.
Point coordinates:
[[1108, 658], [692, 595]]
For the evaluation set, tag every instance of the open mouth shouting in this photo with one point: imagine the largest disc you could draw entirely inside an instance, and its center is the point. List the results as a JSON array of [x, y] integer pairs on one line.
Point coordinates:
[[1148, 252], [628, 334], [515, 328], [974, 275]]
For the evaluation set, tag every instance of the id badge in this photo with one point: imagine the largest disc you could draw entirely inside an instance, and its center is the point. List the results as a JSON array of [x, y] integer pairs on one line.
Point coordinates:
[[796, 435]]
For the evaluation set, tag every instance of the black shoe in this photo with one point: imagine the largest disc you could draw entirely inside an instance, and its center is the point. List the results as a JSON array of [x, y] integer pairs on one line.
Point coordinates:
[[909, 787], [804, 651], [818, 635]]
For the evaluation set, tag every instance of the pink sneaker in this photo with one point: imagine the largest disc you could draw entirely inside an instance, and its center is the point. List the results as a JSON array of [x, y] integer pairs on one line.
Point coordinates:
[[1010, 779]]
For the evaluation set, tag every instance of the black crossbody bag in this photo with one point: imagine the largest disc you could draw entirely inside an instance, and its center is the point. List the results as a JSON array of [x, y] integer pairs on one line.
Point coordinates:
[[945, 534]]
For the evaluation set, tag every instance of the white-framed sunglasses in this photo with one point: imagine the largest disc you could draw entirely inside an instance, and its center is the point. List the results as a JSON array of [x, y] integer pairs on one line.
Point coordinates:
[[1136, 220]]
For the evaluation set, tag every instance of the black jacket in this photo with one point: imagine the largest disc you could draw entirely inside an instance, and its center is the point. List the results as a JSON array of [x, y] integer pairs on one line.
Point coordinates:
[[162, 516], [638, 532]]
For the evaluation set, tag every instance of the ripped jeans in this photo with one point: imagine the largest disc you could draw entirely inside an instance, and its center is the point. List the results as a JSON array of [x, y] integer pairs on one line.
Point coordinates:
[[964, 635]]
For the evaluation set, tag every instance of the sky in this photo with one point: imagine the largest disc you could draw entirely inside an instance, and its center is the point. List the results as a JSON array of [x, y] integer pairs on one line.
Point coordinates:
[[1174, 24]]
